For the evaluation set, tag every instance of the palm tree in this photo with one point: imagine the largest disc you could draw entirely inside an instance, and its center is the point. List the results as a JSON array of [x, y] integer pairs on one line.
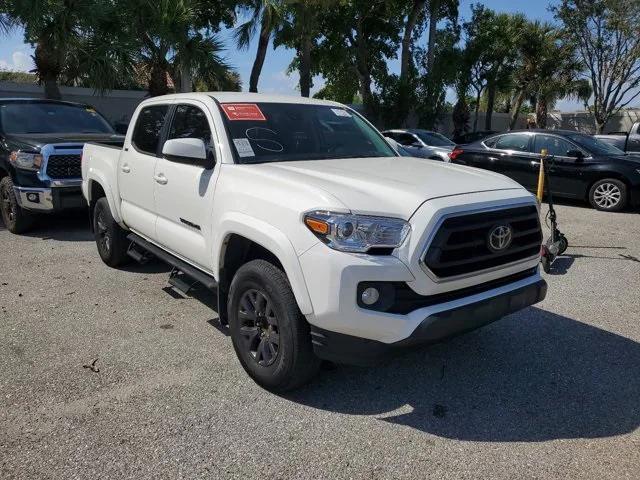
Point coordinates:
[[267, 16], [174, 44]]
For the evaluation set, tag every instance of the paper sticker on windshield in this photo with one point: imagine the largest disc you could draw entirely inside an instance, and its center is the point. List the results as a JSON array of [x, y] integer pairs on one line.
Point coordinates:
[[243, 147], [243, 111], [340, 112]]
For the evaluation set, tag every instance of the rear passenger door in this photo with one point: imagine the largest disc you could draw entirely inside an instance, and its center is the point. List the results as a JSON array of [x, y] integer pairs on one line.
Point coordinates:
[[184, 197], [136, 168], [410, 143], [511, 156]]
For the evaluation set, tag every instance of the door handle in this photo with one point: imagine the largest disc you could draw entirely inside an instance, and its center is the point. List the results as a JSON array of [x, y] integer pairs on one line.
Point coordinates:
[[125, 168], [161, 179], [493, 159]]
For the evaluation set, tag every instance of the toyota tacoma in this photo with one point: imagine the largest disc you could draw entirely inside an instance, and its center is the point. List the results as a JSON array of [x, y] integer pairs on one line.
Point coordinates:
[[320, 241]]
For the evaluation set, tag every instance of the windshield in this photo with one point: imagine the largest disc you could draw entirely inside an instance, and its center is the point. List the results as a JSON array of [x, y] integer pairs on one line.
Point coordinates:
[[434, 139], [593, 145], [46, 117], [281, 132]]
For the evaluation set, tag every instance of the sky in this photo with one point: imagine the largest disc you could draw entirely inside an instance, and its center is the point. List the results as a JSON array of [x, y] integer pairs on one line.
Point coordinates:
[[15, 55]]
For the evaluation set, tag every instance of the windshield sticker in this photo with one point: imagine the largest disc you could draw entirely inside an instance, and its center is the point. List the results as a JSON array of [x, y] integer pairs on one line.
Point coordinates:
[[243, 147], [340, 112], [243, 111], [260, 137]]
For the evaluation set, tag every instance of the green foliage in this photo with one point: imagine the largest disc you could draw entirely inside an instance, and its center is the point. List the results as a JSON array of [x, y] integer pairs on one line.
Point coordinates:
[[607, 40], [17, 77]]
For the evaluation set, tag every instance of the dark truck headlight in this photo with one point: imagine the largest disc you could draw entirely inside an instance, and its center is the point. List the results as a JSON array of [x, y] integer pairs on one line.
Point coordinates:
[[25, 160]]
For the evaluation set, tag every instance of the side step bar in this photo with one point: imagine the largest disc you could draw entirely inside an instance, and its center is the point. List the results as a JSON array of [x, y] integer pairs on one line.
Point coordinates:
[[205, 279]]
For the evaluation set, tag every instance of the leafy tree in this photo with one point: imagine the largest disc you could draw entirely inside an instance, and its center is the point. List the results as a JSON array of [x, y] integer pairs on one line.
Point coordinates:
[[492, 40], [608, 42], [265, 16]]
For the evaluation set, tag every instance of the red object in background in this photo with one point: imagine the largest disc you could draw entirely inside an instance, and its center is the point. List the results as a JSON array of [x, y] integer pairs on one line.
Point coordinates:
[[455, 153], [243, 111]]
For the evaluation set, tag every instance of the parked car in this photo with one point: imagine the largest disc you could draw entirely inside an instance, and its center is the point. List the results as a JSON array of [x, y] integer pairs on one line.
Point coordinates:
[[583, 167], [320, 241], [40, 146], [422, 143], [471, 137], [626, 141]]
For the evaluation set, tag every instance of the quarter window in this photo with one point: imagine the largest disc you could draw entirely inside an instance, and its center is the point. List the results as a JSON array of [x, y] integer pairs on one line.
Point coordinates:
[[146, 135], [555, 145], [190, 122], [406, 139], [516, 141]]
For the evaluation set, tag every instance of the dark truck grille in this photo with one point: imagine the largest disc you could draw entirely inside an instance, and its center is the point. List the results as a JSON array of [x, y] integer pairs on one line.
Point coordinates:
[[64, 166], [461, 245]]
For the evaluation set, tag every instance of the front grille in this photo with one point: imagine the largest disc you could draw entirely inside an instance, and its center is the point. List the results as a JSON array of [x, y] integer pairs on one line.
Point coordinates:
[[64, 166], [461, 244]]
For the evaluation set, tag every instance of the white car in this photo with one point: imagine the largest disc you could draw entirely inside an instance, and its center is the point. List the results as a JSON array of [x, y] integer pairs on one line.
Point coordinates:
[[321, 242]]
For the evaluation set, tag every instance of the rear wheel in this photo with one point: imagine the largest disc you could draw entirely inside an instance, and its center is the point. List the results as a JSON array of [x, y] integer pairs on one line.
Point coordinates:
[[111, 238], [15, 218], [609, 195], [270, 335]]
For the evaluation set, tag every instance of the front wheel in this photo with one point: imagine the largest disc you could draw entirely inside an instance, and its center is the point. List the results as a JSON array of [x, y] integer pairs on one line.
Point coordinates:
[[609, 195], [111, 238], [15, 218], [270, 335]]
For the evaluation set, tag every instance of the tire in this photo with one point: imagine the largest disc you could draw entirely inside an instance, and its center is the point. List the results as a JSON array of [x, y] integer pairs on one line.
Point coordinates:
[[270, 336], [563, 244], [608, 195], [111, 239], [15, 218]]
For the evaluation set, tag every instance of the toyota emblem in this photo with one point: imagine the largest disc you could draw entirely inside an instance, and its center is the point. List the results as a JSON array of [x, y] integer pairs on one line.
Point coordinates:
[[499, 238]]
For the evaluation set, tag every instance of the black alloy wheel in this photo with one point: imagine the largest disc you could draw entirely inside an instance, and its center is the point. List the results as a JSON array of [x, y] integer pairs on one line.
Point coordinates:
[[259, 327]]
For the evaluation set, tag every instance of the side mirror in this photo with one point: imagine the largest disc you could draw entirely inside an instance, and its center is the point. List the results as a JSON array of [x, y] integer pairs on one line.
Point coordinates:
[[188, 150], [577, 154]]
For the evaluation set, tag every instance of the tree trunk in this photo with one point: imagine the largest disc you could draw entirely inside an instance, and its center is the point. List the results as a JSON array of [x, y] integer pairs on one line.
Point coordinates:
[[186, 81], [47, 62], [263, 44], [516, 109], [434, 6], [491, 100], [407, 37], [305, 66], [364, 74], [477, 111], [158, 81], [541, 113]]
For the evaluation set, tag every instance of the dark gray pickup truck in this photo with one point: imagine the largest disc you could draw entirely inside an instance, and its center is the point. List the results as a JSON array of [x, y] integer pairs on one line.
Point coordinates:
[[626, 141]]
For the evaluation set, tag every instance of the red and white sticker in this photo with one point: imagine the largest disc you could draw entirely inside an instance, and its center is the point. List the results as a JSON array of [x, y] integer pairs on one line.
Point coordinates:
[[243, 111]]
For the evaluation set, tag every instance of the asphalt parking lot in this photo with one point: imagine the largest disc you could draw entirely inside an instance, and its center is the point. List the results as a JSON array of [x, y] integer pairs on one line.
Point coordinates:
[[549, 392]]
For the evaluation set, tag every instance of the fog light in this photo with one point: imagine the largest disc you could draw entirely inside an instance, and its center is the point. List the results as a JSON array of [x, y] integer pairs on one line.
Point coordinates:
[[370, 296], [33, 197]]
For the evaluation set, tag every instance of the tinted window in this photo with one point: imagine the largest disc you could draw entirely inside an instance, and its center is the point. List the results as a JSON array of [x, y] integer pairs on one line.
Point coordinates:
[[48, 117], [593, 145], [405, 139], [435, 139], [555, 145], [278, 132], [515, 141], [148, 127], [190, 122]]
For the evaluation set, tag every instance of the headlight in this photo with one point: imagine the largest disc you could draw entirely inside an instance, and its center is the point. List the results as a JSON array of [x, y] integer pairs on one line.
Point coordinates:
[[356, 233], [26, 161]]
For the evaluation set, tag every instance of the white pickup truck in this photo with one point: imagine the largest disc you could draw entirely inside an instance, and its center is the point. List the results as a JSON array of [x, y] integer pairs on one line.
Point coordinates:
[[320, 240]]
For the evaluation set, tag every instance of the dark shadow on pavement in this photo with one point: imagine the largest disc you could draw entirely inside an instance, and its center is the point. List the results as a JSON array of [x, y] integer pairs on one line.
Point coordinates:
[[72, 226], [561, 265], [531, 377]]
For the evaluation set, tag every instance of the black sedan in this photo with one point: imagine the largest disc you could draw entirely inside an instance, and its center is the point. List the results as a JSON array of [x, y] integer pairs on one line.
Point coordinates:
[[582, 167]]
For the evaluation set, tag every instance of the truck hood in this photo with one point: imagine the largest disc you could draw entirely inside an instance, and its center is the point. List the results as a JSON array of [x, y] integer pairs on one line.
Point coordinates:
[[35, 141], [393, 186]]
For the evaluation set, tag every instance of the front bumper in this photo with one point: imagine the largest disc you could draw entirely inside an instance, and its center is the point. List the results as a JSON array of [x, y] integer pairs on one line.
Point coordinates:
[[48, 200], [434, 327]]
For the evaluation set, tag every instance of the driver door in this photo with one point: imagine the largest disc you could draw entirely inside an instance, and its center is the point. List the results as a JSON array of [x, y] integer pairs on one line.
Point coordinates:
[[184, 190], [566, 173]]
